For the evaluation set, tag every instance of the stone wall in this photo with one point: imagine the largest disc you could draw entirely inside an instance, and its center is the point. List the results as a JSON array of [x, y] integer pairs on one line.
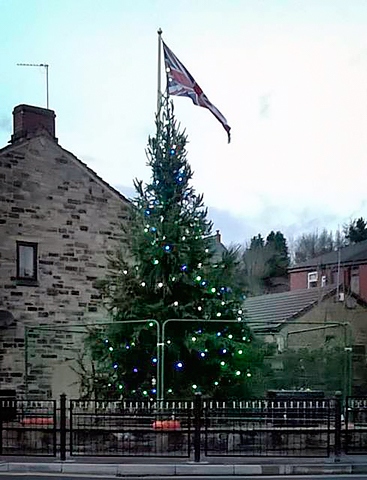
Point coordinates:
[[49, 197]]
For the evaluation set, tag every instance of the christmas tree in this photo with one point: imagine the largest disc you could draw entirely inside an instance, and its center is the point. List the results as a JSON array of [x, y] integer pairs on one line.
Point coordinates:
[[173, 272]]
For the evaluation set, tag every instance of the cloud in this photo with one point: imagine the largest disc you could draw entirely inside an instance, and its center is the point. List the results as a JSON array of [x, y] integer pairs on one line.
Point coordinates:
[[239, 229]]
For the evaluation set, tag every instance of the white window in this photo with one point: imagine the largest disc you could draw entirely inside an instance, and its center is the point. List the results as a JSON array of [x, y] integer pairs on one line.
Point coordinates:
[[26, 261], [312, 280]]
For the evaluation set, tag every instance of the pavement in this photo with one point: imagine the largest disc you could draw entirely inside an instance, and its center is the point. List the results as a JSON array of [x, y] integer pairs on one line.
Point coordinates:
[[214, 466]]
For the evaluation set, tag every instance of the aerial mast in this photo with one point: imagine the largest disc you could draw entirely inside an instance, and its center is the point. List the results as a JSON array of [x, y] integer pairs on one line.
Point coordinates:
[[45, 66]]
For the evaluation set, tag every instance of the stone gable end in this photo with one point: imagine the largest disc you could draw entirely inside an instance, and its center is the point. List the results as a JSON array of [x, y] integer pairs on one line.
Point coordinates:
[[51, 199]]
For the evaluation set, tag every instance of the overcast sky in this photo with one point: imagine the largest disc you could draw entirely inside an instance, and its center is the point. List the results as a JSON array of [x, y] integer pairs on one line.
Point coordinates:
[[289, 76]]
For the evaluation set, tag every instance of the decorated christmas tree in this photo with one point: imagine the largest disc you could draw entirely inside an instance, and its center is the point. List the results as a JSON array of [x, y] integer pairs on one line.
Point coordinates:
[[173, 272]]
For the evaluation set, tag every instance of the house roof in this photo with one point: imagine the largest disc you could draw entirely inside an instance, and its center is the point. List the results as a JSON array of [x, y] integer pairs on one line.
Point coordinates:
[[52, 144], [216, 246], [270, 311], [355, 253]]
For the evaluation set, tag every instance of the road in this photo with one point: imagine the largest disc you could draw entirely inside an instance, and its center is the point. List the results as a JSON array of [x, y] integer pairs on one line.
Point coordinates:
[[37, 476]]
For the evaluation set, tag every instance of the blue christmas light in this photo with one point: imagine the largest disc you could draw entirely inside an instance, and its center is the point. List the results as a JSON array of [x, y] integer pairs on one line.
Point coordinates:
[[147, 212], [172, 151], [115, 365], [153, 229], [135, 370], [153, 390], [154, 360], [167, 248], [184, 267], [178, 365]]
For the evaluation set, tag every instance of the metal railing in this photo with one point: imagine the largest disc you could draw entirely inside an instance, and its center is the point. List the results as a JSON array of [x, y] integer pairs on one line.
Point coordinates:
[[28, 427], [129, 429], [183, 429]]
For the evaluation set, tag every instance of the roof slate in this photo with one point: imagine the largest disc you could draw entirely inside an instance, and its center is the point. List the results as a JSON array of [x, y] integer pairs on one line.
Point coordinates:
[[271, 310]]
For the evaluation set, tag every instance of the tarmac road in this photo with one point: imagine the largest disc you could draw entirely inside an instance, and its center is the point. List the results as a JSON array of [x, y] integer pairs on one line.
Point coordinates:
[[37, 476]]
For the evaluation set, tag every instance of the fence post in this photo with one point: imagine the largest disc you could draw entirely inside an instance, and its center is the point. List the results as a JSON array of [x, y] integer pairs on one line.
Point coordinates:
[[338, 425], [1, 436], [63, 426], [197, 426]]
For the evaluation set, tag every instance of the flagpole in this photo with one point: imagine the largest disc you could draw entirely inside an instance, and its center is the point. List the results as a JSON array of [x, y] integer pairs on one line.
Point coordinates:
[[159, 93]]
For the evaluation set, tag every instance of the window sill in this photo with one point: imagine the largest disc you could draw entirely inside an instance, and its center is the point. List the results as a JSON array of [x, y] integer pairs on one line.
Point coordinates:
[[26, 282]]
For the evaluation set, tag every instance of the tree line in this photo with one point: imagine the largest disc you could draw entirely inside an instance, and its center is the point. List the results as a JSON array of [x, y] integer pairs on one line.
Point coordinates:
[[262, 261]]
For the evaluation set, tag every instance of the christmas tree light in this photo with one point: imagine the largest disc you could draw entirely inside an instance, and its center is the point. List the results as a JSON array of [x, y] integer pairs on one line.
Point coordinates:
[[172, 276]]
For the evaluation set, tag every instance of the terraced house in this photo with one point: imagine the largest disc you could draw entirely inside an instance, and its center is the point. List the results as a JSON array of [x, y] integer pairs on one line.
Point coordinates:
[[58, 220]]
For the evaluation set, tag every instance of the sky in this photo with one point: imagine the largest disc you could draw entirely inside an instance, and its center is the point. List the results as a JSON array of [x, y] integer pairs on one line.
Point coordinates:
[[290, 76]]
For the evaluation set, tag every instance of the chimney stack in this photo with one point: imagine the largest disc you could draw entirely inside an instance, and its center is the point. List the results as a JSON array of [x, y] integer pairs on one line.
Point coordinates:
[[28, 121], [218, 236]]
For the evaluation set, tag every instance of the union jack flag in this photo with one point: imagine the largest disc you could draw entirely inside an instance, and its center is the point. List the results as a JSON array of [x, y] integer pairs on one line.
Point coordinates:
[[180, 82]]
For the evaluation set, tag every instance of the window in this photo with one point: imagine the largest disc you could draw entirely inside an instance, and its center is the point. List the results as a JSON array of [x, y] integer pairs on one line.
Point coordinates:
[[27, 261], [312, 280]]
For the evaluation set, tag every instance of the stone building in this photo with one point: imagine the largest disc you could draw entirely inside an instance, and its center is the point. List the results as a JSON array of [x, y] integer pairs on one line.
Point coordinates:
[[315, 318], [58, 220]]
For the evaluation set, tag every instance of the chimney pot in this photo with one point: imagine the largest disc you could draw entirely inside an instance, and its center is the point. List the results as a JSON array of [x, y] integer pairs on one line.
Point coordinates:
[[29, 120]]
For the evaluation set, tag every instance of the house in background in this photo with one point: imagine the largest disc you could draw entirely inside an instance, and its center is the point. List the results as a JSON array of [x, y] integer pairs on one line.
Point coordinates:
[[58, 221], [346, 267], [314, 318]]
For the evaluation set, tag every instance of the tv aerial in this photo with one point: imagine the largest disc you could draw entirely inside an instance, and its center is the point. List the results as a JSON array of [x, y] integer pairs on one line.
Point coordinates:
[[45, 66]]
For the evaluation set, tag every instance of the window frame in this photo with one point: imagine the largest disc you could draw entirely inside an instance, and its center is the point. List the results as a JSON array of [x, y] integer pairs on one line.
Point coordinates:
[[312, 279], [34, 278]]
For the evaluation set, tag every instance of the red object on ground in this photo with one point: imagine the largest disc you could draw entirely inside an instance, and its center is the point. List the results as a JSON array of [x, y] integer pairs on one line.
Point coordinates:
[[38, 421], [167, 425]]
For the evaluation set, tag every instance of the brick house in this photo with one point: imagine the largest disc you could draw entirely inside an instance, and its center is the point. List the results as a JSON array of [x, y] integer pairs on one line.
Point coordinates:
[[314, 318], [346, 267], [58, 220]]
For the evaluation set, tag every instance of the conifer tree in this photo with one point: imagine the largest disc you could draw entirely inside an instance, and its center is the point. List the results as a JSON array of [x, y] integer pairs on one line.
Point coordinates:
[[172, 272]]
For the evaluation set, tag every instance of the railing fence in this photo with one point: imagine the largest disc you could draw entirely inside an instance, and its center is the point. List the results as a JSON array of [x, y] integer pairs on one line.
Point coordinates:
[[197, 428]]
